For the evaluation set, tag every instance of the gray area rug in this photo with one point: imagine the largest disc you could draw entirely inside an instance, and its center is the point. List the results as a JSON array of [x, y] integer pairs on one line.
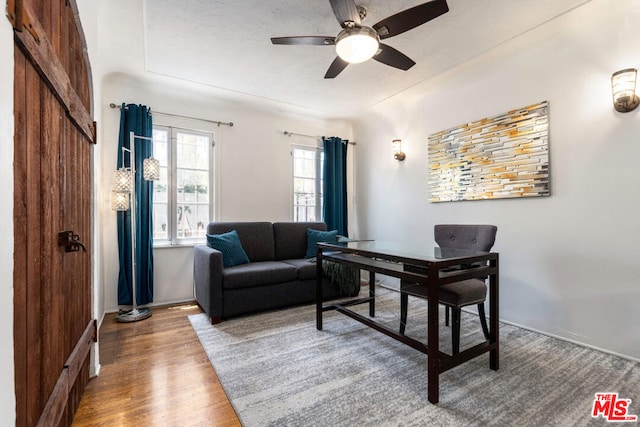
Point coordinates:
[[278, 370]]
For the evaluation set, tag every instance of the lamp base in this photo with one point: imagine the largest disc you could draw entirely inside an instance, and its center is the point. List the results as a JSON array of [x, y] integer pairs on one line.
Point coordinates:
[[133, 315]]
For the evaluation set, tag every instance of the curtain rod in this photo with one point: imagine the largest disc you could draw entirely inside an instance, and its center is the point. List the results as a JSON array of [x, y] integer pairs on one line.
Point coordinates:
[[287, 133], [230, 124]]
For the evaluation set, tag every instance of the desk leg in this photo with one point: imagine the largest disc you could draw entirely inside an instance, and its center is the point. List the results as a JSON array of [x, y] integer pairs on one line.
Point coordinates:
[[433, 337], [372, 294], [494, 333], [319, 290]]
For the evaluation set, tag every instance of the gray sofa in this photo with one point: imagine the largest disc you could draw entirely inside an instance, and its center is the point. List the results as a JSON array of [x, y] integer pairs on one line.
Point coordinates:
[[278, 274]]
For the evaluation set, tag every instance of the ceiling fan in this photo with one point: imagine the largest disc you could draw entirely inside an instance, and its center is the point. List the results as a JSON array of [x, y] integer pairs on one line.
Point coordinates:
[[357, 43]]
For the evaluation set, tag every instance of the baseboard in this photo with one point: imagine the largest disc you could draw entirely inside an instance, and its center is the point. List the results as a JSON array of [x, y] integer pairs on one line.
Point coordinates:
[[561, 338], [101, 320], [154, 304], [95, 371], [94, 367]]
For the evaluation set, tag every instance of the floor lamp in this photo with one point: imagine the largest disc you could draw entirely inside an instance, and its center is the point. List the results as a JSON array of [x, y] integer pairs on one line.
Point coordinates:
[[123, 198]]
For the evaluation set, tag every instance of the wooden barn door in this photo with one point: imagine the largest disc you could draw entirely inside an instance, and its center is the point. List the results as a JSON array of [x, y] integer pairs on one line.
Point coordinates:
[[54, 134]]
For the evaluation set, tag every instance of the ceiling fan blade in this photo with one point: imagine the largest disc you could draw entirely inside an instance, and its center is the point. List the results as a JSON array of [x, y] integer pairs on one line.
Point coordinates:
[[345, 10], [410, 18], [336, 68], [393, 57], [305, 40]]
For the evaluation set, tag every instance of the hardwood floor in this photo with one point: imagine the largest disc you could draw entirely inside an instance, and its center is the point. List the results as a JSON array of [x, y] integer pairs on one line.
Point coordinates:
[[154, 373]]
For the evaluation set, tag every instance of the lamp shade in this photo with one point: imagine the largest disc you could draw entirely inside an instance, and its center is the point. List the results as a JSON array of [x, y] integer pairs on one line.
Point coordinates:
[[623, 86], [357, 44], [122, 181], [151, 169], [119, 201]]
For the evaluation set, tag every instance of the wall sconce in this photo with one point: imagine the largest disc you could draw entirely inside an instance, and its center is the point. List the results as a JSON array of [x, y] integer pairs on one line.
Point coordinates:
[[397, 150], [623, 86]]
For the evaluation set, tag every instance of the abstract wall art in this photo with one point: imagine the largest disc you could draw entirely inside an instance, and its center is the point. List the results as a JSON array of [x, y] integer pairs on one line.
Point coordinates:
[[506, 156]]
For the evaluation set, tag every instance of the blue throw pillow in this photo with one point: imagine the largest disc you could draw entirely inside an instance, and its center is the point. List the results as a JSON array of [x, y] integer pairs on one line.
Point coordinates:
[[315, 236], [230, 246]]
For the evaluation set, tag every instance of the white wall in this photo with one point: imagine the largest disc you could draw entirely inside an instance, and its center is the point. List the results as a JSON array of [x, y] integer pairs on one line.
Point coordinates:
[[252, 166], [7, 394], [569, 261]]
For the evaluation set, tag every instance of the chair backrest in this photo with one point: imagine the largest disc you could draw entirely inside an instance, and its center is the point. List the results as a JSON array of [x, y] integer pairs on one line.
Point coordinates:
[[478, 237]]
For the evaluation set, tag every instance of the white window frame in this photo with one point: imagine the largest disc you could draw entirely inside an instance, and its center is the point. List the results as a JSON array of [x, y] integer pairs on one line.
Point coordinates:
[[172, 194], [319, 151]]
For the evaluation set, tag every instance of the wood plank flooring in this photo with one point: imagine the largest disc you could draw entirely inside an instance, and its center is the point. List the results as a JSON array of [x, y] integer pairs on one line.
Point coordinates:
[[154, 373]]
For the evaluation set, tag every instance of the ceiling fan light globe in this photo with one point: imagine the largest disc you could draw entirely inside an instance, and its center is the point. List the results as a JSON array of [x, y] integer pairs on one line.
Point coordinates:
[[357, 44]]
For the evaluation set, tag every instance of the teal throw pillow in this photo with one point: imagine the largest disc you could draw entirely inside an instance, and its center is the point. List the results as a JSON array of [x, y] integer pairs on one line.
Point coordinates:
[[315, 236], [230, 246]]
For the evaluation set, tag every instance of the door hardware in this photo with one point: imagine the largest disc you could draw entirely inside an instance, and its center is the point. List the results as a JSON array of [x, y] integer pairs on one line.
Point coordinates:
[[70, 241]]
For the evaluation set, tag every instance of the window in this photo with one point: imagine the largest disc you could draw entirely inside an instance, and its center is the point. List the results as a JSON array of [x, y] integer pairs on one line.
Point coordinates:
[[183, 197], [307, 183]]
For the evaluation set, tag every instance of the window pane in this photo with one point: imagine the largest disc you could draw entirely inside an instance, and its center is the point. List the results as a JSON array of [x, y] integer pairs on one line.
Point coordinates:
[[202, 193], [192, 220], [191, 184], [160, 191], [306, 184], [161, 146], [304, 167], [192, 151], [186, 221], [160, 187], [160, 223], [203, 220]]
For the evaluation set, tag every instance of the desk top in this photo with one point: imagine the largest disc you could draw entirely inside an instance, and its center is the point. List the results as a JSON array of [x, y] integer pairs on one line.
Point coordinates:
[[400, 252]]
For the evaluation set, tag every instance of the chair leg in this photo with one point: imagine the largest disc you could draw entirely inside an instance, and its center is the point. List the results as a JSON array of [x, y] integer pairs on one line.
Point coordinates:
[[446, 315], [483, 320], [455, 329], [404, 305]]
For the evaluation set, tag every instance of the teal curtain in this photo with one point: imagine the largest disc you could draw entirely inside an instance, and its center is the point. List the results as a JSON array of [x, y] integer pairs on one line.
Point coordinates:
[[136, 119], [334, 187]]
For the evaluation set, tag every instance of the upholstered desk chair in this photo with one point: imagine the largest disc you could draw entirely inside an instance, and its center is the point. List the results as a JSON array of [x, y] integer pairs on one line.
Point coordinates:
[[467, 292]]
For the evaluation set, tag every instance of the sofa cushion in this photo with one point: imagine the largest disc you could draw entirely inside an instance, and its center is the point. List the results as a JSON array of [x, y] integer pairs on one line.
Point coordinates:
[[314, 237], [256, 237], [291, 238], [306, 268], [230, 246], [258, 274]]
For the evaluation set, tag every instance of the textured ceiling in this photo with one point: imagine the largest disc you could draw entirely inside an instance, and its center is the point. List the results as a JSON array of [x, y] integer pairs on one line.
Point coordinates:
[[226, 44]]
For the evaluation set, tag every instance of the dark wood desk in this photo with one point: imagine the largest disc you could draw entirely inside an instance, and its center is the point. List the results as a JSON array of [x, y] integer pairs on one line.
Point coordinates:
[[428, 269]]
